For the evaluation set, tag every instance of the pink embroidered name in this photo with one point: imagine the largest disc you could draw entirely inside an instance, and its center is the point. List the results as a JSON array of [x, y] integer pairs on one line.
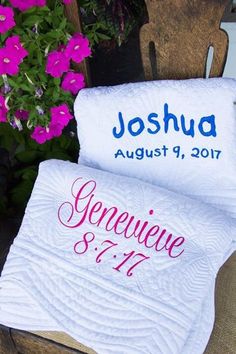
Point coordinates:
[[85, 208]]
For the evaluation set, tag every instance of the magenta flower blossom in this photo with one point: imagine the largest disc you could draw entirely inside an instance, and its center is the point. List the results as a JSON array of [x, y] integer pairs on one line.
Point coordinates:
[[24, 5], [55, 130], [73, 82], [40, 3], [22, 114], [78, 48], [57, 64], [3, 110], [40, 134], [61, 48], [60, 115], [66, 2], [6, 19], [9, 62], [13, 43]]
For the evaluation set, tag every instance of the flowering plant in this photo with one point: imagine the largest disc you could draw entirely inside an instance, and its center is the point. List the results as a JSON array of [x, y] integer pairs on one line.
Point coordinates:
[[38, 49], [111, 21], [36, 66]]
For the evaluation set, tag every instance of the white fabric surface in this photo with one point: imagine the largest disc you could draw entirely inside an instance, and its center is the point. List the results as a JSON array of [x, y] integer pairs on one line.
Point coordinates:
[[206, 177], [165, 307]]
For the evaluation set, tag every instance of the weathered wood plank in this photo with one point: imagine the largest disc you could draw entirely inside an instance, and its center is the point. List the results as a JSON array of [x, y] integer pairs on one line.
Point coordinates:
[[64, 339], [6, 343], [28, 343], [180, 33], [73, 15], [223, 337]]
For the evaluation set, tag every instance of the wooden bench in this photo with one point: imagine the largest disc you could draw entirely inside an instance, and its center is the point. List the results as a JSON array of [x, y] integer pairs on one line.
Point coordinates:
[[169, 50]]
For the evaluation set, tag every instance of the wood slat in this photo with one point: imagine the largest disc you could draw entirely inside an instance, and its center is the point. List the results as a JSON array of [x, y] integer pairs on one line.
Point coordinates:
[[73, 14], [7, 345], [28, 343]]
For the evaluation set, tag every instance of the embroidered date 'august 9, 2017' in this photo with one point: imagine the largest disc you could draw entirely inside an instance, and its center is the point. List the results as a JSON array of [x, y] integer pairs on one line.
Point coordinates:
[[84, 208], [135, 127]]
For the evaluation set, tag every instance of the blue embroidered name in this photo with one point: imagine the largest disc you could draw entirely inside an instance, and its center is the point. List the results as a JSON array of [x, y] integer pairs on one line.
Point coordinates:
[[206, 125]]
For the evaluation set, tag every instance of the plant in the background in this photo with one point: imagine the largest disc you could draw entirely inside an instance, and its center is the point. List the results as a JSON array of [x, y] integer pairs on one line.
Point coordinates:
[[110, 19], [35, 64], [38, 51]]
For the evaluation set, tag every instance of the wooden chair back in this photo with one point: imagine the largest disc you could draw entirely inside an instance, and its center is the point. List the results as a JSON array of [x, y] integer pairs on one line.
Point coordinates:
[[175, 42]]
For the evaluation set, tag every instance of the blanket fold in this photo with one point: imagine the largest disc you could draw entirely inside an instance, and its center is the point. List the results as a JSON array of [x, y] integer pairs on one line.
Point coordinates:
[[120, 265]]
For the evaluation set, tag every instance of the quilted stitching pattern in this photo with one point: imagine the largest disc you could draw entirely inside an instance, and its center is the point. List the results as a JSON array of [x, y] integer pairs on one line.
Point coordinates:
[[166, 307]]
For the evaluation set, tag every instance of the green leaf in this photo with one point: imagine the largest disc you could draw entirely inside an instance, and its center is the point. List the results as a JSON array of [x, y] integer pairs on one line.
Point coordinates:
[[18, 136], [63, 24], [28, 88], [28, 173], [64, 142], [4, 36], [32, 20], [58, 155], [56, 94], [57, 81], [37, 10], [13, 83], [9, 136], [21, 193], [54, 34], [103, 36], [27, 156]]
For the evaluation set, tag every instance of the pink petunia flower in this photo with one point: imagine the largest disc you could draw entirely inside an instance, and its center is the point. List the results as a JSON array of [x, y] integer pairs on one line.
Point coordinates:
[[24, 5], [9, 62], [55, 130], [40, 3], [22, 114], [40, 135], [57, 64], [60, 115], [3, 110], [67, 2], [6, 19], [78, 48], [73, 82], [61, 48], [14, 44]]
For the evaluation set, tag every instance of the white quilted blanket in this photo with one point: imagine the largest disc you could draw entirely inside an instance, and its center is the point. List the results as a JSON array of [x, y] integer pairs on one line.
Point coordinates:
[[180, 135], [120, 265]]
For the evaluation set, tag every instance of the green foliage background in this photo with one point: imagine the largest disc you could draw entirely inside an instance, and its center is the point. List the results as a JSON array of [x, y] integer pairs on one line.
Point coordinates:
[[111, 19], [19, 154], [103, 20], [52, 29], [19, 160]]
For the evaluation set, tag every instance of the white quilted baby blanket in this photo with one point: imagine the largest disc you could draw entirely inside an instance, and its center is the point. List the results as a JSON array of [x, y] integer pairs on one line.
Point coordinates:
[[180, 135], [122, 266]]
